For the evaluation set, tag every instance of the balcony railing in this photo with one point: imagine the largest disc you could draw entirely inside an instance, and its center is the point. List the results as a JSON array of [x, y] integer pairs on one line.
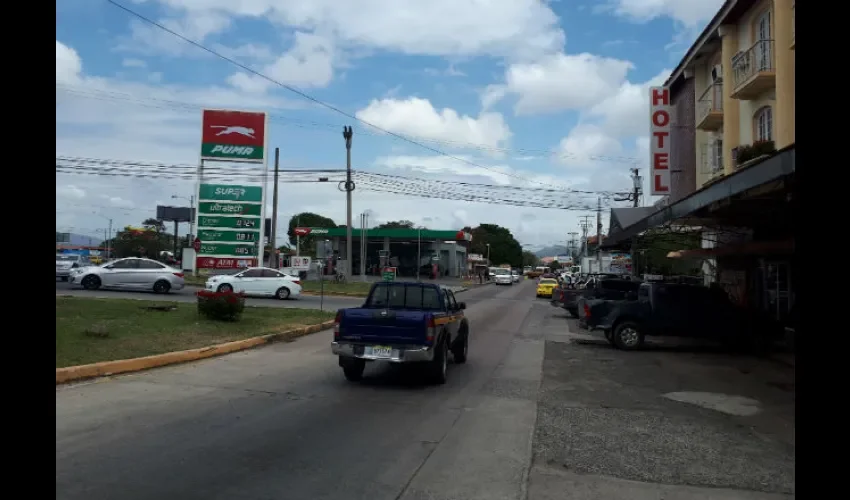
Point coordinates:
[[710, 107], [711, 162], [753, 70]]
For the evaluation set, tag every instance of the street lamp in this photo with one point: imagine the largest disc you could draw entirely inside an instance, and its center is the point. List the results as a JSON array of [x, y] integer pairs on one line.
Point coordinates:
[[108, 235], [191, 200], [488, 255]]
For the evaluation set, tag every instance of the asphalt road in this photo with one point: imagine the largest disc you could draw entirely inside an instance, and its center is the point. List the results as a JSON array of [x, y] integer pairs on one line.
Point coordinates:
[[281, 422], [188, 295]]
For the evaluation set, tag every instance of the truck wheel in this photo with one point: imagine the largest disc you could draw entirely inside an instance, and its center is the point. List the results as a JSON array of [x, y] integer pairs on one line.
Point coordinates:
[[460, 351], [573, 312], [353, 369], [627, 336], [440, 364]]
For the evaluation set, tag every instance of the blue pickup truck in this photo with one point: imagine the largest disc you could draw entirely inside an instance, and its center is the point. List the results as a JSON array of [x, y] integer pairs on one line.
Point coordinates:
[[402, 323]]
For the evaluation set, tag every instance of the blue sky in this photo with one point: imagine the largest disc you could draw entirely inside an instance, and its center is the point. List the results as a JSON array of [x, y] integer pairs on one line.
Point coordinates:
[[542, 94]]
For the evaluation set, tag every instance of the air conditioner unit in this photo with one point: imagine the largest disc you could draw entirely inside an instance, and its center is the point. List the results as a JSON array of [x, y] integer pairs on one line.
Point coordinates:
[[717, 72]]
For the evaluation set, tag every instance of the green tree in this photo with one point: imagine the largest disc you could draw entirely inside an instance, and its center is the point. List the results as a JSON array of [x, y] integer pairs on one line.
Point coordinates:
[[529, 259], [504, 248], [307, 219], [155, 224], [397, 224], [134, 243]]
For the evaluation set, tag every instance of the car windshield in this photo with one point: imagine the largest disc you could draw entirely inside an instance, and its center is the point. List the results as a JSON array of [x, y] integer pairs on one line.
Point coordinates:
[[548, 281], [404, 296], [67, 258], [501, 272]]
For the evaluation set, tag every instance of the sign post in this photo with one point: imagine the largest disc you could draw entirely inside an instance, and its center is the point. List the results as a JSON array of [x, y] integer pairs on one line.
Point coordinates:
[[659, 142], [240, 137]]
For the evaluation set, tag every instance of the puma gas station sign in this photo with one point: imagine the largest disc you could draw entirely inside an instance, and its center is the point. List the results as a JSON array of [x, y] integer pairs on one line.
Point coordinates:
[[233, 136]]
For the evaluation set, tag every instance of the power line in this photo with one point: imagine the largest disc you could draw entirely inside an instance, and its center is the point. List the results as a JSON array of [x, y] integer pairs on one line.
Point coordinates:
[[311, 98]]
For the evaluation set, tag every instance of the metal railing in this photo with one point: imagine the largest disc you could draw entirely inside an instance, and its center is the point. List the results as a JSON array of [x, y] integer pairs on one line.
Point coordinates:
[[711, 162], [710, 100], [752, 61]]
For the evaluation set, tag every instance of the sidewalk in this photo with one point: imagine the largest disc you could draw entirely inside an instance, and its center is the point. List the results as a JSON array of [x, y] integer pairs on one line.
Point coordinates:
[[668, 422]]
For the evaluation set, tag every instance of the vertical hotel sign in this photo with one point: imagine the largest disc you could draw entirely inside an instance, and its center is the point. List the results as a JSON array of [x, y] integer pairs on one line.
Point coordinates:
[[230, 218], [659, 142]]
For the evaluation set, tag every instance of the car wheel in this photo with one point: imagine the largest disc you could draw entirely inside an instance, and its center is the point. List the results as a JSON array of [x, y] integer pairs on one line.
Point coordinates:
[[225, 288], [282, 293], [161, 287], [440, 364], [353, 369], [627, 336], [91, 282]]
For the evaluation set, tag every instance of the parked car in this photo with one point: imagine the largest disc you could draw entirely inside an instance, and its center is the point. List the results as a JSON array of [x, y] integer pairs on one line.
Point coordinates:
[[608, 288], [132, 273], [417, 323], [257, 281], [672, 309], [515, 276], [65, 263]]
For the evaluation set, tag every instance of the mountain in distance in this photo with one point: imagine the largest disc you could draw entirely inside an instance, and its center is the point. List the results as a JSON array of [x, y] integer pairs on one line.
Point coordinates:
[[551, 251]]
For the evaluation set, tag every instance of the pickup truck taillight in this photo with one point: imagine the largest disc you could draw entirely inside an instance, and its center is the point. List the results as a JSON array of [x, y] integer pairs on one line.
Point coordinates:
[[586, 311], [337, 320], [430, 330]]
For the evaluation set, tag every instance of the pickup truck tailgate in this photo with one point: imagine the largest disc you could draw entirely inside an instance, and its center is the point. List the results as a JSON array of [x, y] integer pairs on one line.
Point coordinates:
[[384, 326]]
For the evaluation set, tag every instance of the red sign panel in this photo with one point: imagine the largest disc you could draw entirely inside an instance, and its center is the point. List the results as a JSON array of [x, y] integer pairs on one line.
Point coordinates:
[[302, 231], [236, 128], [224, 263]]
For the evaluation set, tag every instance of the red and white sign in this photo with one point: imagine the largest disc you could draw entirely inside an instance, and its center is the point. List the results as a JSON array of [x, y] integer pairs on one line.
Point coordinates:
[[300, 263], [237, 128], [197, 244], [659, 141], [302, 231], [224, 263]]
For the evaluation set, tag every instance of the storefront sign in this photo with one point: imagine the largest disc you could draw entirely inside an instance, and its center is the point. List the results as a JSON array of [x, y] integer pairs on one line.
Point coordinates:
[[659, 142]]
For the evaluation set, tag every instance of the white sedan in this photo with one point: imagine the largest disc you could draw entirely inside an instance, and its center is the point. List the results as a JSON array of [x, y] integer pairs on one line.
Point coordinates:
[[259, 281]]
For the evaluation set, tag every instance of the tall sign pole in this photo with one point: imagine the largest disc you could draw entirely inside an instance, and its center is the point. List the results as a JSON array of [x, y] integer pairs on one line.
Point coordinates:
[[229, 219], [273, 233]]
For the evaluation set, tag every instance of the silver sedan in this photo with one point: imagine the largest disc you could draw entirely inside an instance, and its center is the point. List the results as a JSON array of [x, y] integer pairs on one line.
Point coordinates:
[[129, 274]]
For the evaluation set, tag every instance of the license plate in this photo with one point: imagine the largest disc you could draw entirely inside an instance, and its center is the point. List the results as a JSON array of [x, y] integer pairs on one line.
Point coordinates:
[[379, 351]]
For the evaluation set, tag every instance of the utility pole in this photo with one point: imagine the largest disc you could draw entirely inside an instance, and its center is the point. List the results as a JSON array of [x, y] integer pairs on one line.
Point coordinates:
[[298, 237], [585, 225], [599, 234], [109, 240], [419, 253], [273, 232], [347, 133], [572, 249], [638, 189]]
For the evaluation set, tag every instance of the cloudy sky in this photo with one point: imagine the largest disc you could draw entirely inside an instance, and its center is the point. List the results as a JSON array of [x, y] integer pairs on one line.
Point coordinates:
[[532, 94]]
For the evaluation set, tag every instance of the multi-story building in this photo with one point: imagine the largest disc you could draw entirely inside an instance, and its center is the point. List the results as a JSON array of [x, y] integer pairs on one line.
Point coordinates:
[[739, 134], [743, 72]]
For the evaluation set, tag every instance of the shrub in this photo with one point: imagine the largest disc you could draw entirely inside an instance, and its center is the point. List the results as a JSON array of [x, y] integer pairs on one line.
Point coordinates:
[[221, 306], [754, 150]]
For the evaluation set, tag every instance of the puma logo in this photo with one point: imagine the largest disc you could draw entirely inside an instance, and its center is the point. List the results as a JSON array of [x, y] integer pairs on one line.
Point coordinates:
[[247, 132]]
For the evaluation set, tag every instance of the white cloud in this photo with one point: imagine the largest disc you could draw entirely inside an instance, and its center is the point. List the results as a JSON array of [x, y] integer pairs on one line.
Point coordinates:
[[626, 112], [133, 63], [417, 117], [560, 82], [502, 28], [68, 64], [687, 12], [309, 63]]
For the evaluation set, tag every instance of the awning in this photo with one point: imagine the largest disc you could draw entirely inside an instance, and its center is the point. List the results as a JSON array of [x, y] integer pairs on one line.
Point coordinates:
[[749, 248], [741, 181]]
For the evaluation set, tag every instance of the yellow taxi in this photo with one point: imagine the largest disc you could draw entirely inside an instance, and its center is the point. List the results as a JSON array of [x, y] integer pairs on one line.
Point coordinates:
[[546, 286]]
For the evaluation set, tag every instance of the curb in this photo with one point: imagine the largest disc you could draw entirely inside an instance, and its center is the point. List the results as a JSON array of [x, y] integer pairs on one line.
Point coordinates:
[[106, 368]]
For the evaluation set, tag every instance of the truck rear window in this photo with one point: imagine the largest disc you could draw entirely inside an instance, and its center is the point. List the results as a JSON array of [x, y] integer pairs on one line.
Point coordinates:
[[404, 296]]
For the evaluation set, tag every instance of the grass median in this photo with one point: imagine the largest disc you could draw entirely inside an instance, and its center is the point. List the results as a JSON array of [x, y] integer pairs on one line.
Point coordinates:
[[90, 330], [354, 288]]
